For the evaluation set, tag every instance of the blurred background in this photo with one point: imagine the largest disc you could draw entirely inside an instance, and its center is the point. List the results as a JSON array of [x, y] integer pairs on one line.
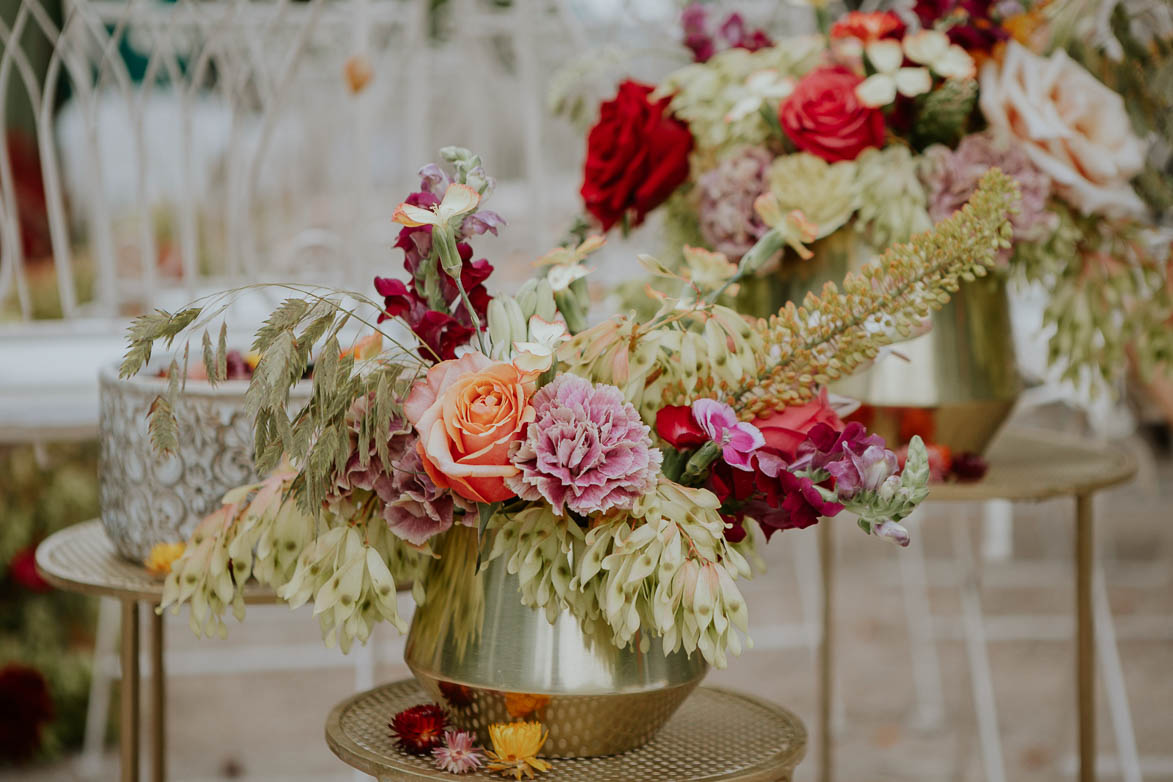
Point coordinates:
[[153, 152]]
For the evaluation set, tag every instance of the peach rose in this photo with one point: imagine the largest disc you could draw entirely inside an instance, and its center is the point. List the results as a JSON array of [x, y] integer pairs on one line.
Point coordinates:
[[786, 429], [1074, 128], [467, 411]]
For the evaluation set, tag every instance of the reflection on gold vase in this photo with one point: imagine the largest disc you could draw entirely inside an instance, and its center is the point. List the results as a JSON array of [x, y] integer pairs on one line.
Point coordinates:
[[487, 658], [960, 380]]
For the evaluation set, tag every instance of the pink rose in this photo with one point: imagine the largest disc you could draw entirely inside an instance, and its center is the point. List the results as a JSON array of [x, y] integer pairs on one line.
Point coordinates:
[[1074, 128], [786, 429], [467, 412]]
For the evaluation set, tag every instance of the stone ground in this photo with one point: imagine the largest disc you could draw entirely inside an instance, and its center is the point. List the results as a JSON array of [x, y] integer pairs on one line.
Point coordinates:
[[263, 721]]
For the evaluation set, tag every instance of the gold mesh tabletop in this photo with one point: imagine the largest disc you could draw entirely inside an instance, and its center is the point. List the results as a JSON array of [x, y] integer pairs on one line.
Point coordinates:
[[82, 559], [1033, 464], [716, 735]]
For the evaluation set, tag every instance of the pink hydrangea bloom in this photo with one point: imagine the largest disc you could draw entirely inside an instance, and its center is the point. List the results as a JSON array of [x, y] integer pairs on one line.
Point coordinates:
[[738, 440], [457, 755], [587, 450], [728, 221], [951, 176]]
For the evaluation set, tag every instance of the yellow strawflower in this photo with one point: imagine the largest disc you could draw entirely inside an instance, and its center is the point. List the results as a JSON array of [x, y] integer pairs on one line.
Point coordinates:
[[515, 748], [162, 555]]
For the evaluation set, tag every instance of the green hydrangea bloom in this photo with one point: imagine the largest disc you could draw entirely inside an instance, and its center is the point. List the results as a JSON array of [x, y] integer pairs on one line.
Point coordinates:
[[892, 202], [825, 192], [704, 94]]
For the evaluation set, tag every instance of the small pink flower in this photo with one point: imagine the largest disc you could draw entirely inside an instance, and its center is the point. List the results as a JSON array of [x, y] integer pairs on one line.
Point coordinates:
[[738, 440], [457, 755]]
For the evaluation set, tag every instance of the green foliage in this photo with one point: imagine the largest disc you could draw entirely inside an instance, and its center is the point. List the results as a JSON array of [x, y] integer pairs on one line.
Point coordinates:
[[943, 115], [1109, 297]]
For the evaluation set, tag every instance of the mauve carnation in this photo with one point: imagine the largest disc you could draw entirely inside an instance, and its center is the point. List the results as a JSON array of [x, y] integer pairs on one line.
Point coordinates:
[[951, 177], [413, 506], [728, 221], [586, 450]]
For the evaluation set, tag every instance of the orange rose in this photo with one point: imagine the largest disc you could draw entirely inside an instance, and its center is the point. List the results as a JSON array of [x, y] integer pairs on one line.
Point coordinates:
[[467, 412]]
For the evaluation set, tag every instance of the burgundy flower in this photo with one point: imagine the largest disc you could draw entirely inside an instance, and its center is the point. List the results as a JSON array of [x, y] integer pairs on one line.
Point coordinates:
[[969, 466], [734, 31], [637, 155], [447, 325], [858, 462], [23, 569], [731, 485], [442, 333], [703, 43], [678, 428], [971, 24], [734, 527], [788, 501], [25, 707], [420, 729]]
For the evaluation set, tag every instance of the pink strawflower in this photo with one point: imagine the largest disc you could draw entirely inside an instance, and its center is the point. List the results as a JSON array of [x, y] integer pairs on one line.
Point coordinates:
[[951, 176], [587, 450], [738, 440], [458, 755], [727, 218]]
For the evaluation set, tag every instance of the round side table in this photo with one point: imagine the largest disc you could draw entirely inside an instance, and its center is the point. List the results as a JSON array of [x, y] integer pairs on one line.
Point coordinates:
[[717, 735], [1024, 465], [82, 559]]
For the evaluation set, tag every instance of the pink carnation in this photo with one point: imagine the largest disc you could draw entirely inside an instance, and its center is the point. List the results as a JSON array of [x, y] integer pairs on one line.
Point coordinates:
[[587, 449], [950, 178]]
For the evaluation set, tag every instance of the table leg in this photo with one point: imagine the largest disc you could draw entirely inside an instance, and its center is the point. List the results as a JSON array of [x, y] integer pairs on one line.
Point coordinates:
[[129, 725], [1085, 637], [826, 656], [158, 702]]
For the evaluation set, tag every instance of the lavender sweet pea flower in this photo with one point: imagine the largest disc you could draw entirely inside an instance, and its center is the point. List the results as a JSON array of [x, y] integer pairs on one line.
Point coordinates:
[[738, 439], [480, 222], [862, 471], [892, 532], [433, 179]]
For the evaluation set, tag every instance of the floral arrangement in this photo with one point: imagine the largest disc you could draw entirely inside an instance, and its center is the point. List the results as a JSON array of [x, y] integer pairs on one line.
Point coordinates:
[[619, 468], [880, 127]]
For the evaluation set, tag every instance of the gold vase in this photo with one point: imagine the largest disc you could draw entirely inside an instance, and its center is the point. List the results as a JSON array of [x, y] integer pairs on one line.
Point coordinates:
[[960, 380], [487, 658]]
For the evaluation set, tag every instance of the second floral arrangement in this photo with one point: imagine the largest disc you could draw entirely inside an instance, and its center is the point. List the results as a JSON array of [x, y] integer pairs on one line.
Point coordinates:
[[880, 127]]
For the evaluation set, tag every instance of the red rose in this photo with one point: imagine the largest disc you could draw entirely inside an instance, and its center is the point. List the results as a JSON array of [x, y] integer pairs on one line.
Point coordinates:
[[637, 155], [787, 428], [678, 428], [823, 116]]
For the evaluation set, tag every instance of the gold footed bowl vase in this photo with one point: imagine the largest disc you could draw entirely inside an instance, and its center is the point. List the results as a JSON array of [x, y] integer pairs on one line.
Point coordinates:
[[955, 385], [487, 658]]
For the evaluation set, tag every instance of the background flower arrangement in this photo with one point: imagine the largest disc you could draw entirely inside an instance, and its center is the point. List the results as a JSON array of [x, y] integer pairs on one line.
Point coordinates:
[[880, 126]]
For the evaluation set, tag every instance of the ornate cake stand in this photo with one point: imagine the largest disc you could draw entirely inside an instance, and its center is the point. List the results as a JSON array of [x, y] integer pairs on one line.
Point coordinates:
[[82, 559], [716, 736]]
